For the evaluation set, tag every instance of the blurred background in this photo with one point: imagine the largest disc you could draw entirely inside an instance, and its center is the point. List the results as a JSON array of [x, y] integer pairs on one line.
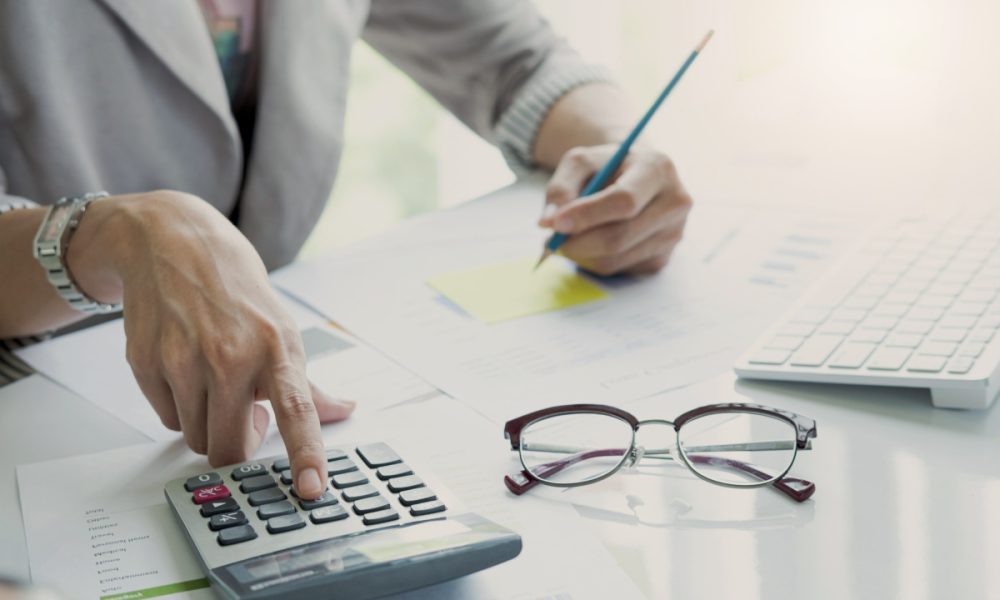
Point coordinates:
[[859, 102]]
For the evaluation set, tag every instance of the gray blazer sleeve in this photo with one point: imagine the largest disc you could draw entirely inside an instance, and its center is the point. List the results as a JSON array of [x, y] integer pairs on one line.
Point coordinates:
[[8, 201], [479, 58]]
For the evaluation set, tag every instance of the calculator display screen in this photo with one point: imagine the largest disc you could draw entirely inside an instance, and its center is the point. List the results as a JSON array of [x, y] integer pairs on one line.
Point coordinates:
[[336, 558]]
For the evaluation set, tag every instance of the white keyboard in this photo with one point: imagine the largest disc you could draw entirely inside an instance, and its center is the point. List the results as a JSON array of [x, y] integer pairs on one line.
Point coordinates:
[[916, 306]]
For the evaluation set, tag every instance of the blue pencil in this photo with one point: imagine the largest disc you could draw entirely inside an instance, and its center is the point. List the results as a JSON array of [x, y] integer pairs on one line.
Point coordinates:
[[604, 175]]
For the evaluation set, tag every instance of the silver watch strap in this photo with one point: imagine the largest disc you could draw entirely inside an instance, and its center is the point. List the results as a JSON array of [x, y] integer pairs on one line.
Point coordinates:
[[51, 253]]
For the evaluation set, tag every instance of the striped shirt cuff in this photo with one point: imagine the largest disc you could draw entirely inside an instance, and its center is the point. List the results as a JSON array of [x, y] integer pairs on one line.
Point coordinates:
[[518, 126]]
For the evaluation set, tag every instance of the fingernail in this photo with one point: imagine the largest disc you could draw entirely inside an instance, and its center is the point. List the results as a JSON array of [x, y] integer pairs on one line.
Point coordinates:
[[309, 482], [563, 224], [548, 210]]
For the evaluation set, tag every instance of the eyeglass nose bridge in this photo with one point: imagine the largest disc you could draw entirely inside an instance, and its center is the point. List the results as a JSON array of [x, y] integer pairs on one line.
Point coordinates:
[[638, 452]]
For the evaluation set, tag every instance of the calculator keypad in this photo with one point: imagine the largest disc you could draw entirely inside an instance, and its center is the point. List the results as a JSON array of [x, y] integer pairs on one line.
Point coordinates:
[[376, 490]]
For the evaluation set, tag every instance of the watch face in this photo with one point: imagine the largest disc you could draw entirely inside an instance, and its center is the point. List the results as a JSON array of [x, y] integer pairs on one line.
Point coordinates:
[[60, 215]]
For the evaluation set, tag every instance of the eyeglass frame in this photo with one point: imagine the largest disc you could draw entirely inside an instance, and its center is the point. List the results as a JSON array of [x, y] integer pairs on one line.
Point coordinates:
[[799, 490]]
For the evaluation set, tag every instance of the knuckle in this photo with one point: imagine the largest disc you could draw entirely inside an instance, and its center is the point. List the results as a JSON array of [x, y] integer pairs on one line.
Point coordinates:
[[663, 163], [297, 404], [178, 359], [579, 155], [305, 450], [685, 201], [627, 202]]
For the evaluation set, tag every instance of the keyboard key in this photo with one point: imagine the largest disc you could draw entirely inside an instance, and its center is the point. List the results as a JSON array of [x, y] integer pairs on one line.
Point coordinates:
[[335, 454], [219, 506], [917, 327], [871, 336], [325, 514], [939, 348], [397, 470], [235, 535], [957, 322], [275, 509], [797, 329], [969, 308], [383, 516], [861, 302], [816, 350], [285, 523], [960, 365], [888, 359], [346, 480], [369, 505], [836, 328], [340, 466], [814, 316], [769, 357], [203, 480], [971, 349], [249, 470], [879, 323], [785, 342], [852, 355], [926, 364], [358, 492], [227, 519], [266, 497], [210, 494], [990, 322], [946, 334], [904, 340], [411, 497], [887, 309], [981, 335], [427, 508], [327, 499], [401, 484], [378, 455], [286, 477], [918, 313], [282, 464], [260, 482], [848, 314]]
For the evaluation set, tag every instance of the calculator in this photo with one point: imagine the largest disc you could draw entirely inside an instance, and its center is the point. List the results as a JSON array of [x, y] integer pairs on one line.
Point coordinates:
[[381, 527]]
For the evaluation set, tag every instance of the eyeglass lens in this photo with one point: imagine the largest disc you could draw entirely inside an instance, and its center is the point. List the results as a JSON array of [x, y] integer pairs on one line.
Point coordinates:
[[574, 448], [738, 448]]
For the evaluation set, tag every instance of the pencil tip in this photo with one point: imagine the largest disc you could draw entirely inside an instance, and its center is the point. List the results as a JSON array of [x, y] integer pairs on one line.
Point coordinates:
[[541, 259], [704, 40]]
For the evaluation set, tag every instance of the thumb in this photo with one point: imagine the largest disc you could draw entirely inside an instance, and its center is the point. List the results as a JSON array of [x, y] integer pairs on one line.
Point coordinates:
[[570, 177], [330, 409]]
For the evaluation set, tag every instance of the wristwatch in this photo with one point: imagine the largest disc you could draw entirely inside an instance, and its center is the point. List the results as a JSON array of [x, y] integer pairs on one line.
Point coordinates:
[[51, 243]]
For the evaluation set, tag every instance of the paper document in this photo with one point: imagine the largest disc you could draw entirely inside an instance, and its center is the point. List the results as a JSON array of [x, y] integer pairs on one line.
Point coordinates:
[[507, 290], [339, 364], [734, 273], [98, 526]]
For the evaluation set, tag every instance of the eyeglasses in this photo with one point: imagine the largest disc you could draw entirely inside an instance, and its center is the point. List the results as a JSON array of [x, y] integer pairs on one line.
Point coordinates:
[[733, 445]]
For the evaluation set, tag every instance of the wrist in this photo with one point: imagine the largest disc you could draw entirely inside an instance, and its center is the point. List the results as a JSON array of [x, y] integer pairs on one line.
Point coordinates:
[[97, 250]]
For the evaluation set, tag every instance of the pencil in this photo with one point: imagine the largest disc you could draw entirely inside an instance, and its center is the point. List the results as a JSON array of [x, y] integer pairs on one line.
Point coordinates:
[[602, 177]]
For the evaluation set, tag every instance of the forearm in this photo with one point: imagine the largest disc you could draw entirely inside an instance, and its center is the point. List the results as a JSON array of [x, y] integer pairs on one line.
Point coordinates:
[[29, 304], [592, 114]]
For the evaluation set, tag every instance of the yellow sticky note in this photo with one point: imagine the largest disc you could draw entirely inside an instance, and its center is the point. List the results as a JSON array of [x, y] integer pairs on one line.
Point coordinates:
[[508, 290]]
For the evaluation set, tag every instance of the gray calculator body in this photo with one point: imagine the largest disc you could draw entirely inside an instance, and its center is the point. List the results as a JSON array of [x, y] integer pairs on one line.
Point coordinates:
[[337, 550]]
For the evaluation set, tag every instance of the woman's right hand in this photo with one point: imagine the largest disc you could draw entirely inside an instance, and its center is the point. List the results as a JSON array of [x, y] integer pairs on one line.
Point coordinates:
[[207, 336]]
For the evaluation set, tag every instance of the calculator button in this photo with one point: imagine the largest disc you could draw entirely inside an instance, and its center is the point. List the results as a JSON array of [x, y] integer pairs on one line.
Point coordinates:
[[427, 508], [397, 470], [369, 505], [325, 500], [260, 482], [265, 497], [286, 477], [235, 535], [219, 506], [249, 470], [383, 516], [228, 519], [347, 480], [326, 514], [411, 497], [340, 466], [285, 523], [334, 454], [282, 464], [275, 509], [203, 480], [378, 455], [401, 484], [358, 492], [208, 494]]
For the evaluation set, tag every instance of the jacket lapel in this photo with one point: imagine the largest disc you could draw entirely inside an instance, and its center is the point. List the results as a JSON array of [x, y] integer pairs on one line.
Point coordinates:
[[176, 34]]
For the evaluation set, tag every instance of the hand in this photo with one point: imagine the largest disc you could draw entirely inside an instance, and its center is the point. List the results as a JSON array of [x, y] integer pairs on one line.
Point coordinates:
[[207, 337], [632, 225]]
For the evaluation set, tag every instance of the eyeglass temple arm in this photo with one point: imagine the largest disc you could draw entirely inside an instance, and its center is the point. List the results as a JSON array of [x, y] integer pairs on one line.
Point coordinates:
[[797, 489]]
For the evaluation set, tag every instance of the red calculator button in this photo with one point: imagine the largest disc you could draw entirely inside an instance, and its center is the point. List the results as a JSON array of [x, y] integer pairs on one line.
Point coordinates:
[[208, 494]]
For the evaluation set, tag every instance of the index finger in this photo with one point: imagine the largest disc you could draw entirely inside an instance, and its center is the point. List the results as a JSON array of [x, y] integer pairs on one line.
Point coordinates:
[[298, 422]]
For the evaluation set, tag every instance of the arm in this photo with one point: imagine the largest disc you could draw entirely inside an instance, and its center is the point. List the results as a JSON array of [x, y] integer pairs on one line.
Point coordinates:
[[206, 335]]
